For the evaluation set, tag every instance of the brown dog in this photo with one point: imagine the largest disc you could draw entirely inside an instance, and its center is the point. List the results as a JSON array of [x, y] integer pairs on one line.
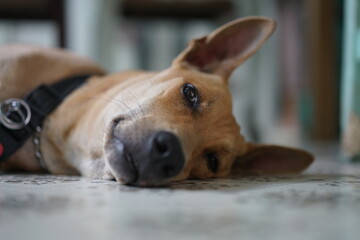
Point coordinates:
[[147, 128]]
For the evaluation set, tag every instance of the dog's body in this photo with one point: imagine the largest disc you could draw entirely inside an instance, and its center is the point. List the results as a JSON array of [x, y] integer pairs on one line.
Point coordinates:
[[146, 128]]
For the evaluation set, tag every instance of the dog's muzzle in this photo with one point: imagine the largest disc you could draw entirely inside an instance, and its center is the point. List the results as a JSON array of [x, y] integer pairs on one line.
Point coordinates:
[[152, 163]]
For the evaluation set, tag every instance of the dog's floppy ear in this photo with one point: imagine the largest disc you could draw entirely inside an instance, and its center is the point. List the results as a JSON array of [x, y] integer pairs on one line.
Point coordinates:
[[227, 47], [271, 159]]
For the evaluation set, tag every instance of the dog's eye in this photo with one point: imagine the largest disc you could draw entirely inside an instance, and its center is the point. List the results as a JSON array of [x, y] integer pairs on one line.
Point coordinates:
[[212, 162], [191, 95]]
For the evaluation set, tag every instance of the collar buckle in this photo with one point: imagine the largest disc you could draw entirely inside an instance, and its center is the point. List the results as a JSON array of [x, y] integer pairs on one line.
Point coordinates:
[[15, 113]]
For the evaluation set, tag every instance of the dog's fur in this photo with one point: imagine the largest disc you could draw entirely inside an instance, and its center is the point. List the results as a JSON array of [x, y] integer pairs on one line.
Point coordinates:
[[84, 134]]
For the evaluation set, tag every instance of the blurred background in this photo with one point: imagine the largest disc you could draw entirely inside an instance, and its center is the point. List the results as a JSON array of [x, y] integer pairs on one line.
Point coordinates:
[[301, 88]]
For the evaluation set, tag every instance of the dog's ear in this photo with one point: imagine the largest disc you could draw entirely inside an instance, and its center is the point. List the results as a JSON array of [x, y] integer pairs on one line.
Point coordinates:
[[227, 47], [271, 159]]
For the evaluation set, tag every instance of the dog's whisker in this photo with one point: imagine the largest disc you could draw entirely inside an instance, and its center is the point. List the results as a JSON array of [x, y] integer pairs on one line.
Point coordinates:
[[120, 104], [135, 100], [132, 112], [106, 99]]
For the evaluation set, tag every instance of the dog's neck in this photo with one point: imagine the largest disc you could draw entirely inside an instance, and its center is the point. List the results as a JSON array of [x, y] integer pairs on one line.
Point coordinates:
[[17, 162]]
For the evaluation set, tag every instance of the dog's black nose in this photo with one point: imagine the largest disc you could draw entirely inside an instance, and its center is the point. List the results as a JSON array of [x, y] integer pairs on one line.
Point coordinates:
[[165, 155]]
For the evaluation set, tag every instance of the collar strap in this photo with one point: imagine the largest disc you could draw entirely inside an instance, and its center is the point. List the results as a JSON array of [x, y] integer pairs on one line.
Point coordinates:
[[19, 118]]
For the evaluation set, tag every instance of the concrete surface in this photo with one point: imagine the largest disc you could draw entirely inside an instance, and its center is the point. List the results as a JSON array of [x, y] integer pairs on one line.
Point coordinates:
[[323, 203]]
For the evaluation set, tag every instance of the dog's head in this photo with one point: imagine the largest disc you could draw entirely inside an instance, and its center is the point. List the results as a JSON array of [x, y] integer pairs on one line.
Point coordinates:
[[178, 123]]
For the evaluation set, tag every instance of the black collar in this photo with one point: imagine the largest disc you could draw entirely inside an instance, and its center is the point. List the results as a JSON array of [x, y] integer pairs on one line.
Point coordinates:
[[19, 118]]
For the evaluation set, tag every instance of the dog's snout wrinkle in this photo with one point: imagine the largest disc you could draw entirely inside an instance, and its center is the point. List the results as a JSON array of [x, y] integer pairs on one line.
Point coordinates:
[[116, 121]]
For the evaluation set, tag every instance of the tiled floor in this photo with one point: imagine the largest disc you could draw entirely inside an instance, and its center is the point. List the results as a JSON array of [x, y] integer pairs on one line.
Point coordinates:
[[323, 203]]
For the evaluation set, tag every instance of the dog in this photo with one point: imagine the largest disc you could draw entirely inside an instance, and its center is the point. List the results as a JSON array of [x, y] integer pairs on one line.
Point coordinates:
[[146, 128]]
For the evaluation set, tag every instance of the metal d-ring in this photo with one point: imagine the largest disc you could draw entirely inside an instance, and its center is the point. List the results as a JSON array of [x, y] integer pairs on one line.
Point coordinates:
[[11, 107]]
